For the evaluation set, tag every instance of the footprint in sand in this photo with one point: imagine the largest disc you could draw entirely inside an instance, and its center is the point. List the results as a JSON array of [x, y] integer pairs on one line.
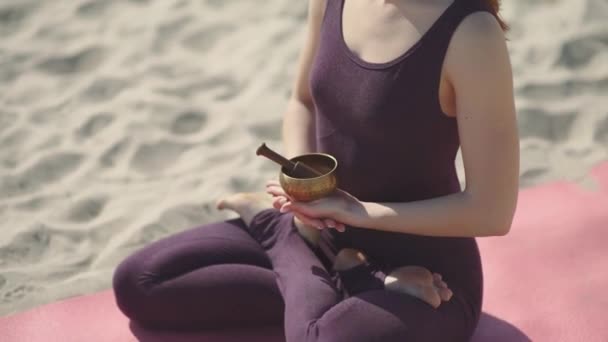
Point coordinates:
[[172, 27], [222, 88], [12, 16], [94, 124], [266, 130], [104, 89], [245, 183], [185, 216], [141, 2], [188, 122], [17, 293], [536, 122], [601, 133], [86, 209], [215, 4], [595, 11], [532, 176], [111, 157], [228, 87], [93, 9], [579, 51], [7, 120], [15, 139], [560, 90], [156, 157], [50, 169], [26, 247], [578, 152], [12, 68], [204, 39], [85, 60], [147, 234], [34, 204], [165, 33]]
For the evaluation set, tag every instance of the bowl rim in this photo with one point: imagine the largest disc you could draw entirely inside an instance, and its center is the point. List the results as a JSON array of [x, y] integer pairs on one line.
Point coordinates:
[[308, 154]]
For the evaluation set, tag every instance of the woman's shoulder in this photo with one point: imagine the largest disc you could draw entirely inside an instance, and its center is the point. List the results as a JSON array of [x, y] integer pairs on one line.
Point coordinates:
[[479, 27], [479, 38]]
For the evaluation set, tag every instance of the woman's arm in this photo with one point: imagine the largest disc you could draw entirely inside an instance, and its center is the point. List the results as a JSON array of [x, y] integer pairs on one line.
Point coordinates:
[[478, 67], [298, 131]]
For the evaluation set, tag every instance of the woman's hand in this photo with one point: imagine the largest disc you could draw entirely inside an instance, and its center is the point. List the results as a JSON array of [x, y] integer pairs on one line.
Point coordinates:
[[340, 208], [274, 188]]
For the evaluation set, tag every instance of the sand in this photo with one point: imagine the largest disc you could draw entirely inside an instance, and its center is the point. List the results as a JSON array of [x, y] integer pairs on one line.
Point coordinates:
[[122, 122]]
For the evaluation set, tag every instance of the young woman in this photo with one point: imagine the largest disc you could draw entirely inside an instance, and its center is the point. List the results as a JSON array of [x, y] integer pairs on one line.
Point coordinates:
[[392, 89]]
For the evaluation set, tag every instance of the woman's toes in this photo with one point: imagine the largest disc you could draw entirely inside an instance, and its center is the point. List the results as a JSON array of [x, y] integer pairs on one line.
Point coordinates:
[[278, 202], [418, 282], [445, 294], [221, 204], [442, 288], [440, 284], [438, 281], [431, 296]]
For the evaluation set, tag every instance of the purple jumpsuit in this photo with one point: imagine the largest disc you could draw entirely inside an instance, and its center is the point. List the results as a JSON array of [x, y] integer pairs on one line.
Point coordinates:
[[393, 143]]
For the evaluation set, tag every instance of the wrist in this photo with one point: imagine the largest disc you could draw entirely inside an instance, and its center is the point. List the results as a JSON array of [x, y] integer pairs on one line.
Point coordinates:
[[362, 214]]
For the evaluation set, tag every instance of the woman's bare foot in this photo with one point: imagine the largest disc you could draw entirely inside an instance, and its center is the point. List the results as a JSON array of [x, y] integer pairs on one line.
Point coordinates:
[[246, 204], [419, 282], [413, 280]]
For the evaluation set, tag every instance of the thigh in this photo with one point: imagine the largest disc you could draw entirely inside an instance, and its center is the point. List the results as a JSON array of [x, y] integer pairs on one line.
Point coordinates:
[[213, 274], [381, 315], [216, 296], [221, 242]]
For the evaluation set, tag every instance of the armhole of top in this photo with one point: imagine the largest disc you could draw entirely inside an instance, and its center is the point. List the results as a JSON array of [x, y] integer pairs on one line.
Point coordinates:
[[445, 47], [323, 19]]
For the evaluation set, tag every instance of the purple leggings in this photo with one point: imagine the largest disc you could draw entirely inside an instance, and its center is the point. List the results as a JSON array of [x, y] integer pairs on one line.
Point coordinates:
[[227, 274]]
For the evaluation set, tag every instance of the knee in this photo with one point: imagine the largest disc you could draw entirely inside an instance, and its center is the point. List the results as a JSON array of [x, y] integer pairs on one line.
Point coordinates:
[[348, 258], [354, 319], [130, 288]]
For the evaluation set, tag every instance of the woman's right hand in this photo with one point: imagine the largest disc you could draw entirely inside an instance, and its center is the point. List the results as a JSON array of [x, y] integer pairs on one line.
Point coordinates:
[[274, 188]]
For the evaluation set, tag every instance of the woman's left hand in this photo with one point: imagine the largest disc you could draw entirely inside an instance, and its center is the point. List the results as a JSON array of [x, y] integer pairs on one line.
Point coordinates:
[[339, 206]]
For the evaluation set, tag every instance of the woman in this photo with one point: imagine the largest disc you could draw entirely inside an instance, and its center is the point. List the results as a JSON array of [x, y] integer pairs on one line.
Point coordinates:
[[391, 89]]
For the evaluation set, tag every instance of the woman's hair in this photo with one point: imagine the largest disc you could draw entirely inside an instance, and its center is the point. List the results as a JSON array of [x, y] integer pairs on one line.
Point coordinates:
[[493, 6]]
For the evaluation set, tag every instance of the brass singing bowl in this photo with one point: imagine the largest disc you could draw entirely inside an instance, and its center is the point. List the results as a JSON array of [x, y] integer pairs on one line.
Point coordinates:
[[310, 189]]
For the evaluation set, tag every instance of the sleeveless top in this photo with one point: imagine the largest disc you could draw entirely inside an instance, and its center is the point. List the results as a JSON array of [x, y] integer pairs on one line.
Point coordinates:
[[383, 121], [384, 124]]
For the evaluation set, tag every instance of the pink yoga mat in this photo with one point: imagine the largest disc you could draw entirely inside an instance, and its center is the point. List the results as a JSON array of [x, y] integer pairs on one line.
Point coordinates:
[[545, 281]]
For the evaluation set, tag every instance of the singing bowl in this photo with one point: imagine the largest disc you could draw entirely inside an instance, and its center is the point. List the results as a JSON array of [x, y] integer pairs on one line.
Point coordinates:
[[310, 189]]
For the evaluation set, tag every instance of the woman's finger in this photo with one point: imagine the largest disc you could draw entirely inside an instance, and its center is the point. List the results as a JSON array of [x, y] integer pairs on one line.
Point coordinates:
[[273, 182], [278, 201], [317, 222], [286, 207], [330, 223], [276, 191], [335, 224]]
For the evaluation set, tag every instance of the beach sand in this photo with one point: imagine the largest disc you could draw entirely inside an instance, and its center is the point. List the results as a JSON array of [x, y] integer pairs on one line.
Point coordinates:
[[122, 122]]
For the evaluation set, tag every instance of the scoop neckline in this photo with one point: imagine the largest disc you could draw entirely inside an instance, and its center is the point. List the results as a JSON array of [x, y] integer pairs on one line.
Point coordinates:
[[399, 58]]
